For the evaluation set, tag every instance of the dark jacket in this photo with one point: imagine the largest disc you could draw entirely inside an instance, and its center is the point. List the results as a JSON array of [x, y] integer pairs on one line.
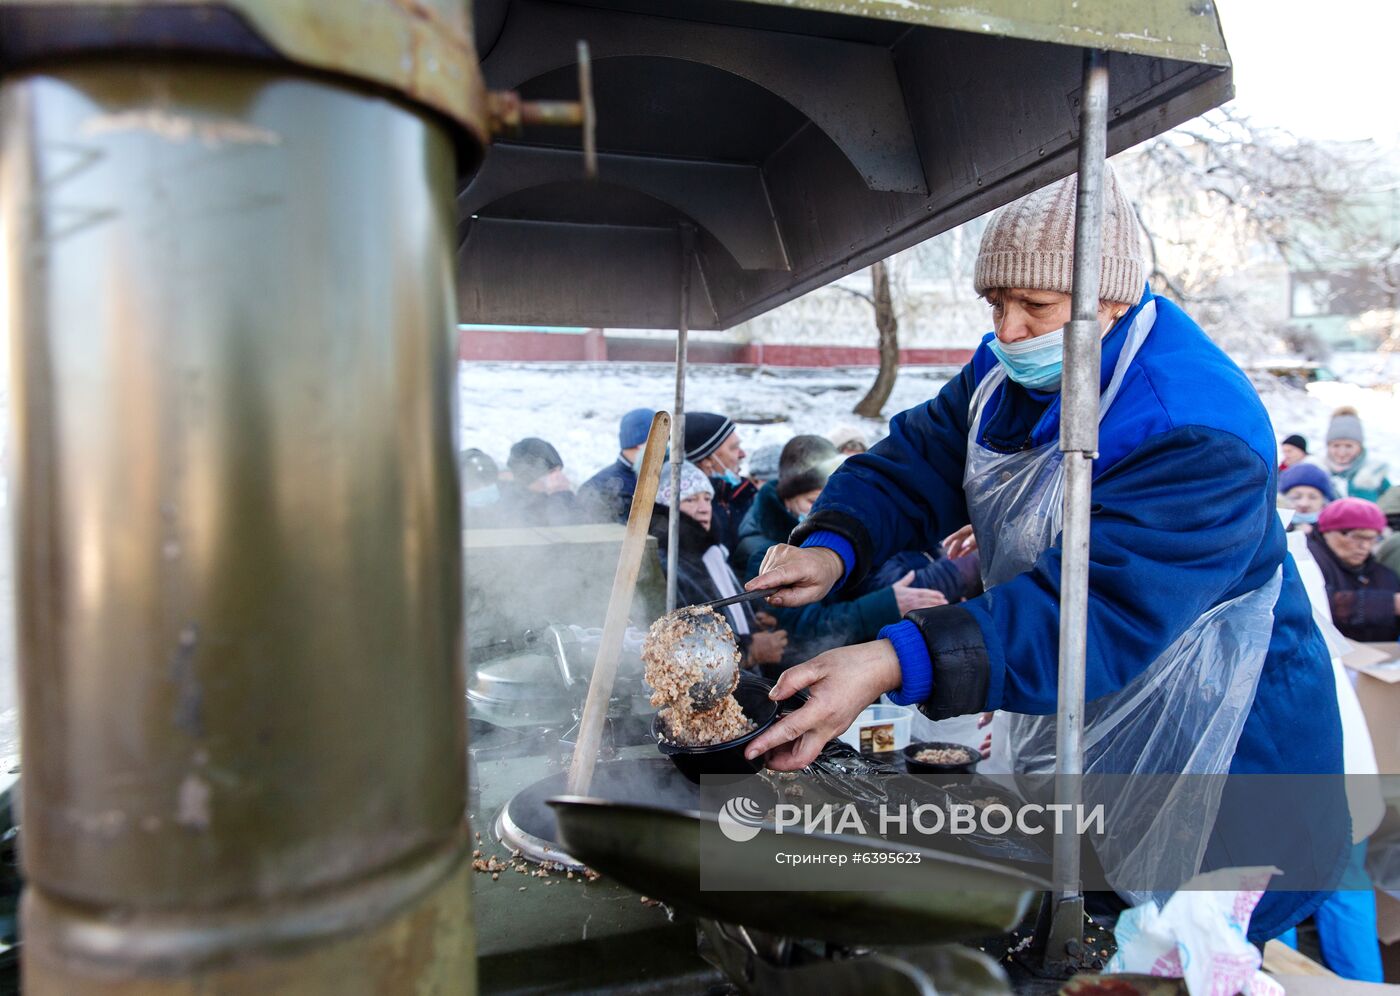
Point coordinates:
[[731, 504], [1183, 519], [830, 623], [607, 495], [957, 578], [693, 582], [1362, 598]]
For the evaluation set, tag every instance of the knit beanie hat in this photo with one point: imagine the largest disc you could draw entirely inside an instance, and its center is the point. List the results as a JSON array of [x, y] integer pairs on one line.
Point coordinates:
[[693, 482], [805, 464], [1350, 513], [634, 428], [1030, 243], [1306, 475], [763, 462], [704, 432], [847, 434], [1296, 440], [1346, 424], [1390, 501], [532, 458]]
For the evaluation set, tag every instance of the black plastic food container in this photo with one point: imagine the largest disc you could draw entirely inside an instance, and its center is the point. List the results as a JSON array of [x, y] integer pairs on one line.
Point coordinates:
[[958, 768], [726, 758]]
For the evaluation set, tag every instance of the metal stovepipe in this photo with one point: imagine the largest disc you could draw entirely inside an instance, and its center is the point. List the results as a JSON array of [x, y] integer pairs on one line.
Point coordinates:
[[1079, 440], [673, 514], [238, 543]]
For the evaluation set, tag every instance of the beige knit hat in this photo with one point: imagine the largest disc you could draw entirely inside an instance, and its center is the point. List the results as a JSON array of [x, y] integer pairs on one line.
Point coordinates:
[[1030, 243]]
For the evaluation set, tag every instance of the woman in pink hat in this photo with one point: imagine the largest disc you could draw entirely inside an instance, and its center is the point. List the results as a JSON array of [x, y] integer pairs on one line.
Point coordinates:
[[1363, 592]]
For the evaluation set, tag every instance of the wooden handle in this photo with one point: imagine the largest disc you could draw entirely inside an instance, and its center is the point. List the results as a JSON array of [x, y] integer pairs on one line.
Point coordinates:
[[629, 564]]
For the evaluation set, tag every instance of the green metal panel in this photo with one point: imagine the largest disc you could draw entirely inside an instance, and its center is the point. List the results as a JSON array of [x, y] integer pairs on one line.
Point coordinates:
[[1184, 30], [237, 526], [422, 49]]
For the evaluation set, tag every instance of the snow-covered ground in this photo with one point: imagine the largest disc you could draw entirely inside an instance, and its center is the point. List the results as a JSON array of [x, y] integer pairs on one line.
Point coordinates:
[[576, 406]]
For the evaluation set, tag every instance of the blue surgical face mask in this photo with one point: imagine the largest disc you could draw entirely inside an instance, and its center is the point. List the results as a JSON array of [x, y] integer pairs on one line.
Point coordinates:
[[1306, 518], [637, 463], [731, 478], [1035, 363], [802, 517], [482, 497]]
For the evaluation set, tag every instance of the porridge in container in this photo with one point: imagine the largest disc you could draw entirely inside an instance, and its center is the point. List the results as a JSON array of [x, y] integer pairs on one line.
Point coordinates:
[[671, 674]]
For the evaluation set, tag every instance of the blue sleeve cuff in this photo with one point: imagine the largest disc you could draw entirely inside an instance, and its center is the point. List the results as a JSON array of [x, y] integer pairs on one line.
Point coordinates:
[[915, 665], [842, 546]]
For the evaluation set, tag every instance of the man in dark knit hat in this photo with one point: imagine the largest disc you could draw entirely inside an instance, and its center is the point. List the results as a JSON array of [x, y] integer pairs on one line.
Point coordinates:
[[1292, 451], [607, 495], [539, 494], [712, 444]]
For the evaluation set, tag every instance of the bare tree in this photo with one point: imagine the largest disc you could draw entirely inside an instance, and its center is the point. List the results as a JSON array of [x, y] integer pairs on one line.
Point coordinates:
[[887, 326], [1222, 195]]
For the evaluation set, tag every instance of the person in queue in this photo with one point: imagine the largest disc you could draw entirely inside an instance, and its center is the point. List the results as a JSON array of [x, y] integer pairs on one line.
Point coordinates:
[[1364, 593], [1292, 451], [848, 440], [804, 466], [607, 495], [712, 444], [1388, 553], [539, 493], [703, 573], [1355, 472], [481, 493], [763, 464], [1184, 539], [1308, 489]]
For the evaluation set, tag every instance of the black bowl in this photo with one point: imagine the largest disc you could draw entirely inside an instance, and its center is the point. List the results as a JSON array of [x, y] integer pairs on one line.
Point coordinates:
[[726, 758], [955, 768]]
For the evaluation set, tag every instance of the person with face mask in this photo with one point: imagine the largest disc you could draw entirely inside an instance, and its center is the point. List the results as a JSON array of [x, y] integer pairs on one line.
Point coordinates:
[[1355, 473], [712, 444], [607, 495], [481, 493], [1196, 614], [1308, 489]]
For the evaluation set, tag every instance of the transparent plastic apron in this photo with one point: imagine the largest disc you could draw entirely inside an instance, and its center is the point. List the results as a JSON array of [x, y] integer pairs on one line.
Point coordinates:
[[1180, 718]]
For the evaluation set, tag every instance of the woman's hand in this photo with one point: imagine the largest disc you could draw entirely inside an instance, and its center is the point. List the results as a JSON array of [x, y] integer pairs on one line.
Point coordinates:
[[840, 683], [908, 599], [767, 647], [806, 574], [961, 543]]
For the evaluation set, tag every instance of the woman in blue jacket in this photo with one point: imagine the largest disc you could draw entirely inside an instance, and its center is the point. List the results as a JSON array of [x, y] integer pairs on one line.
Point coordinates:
[[1202, 655]]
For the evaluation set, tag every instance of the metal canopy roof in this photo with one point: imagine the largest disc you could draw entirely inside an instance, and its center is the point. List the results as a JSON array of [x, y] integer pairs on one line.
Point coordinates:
[[802, 139]]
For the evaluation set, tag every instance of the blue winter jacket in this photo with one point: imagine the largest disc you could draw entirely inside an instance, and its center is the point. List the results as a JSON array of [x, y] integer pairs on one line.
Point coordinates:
[[1183, 518], [607, 495]]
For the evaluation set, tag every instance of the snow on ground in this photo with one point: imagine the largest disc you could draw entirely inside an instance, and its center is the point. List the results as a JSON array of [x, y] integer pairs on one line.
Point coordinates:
[[577, 406]]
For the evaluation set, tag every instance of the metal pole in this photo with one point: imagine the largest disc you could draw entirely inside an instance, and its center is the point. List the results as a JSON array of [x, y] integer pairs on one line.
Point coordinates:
[[1079, 440], [673, 519], [238, 533]]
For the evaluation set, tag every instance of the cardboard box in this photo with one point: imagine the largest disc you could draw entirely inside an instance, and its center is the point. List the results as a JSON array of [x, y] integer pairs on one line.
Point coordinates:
[[1387, 918], [1377, 667]]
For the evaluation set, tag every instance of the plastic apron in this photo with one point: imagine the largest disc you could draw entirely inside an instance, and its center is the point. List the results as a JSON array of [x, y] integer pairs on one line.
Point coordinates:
[[1181, 717]]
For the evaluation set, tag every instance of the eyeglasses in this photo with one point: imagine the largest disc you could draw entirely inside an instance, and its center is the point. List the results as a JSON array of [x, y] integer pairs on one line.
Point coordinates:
[[1361, 537]]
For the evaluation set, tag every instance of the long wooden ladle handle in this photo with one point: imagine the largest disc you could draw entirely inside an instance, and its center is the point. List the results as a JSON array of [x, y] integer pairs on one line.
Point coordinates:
[[629, 564]]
